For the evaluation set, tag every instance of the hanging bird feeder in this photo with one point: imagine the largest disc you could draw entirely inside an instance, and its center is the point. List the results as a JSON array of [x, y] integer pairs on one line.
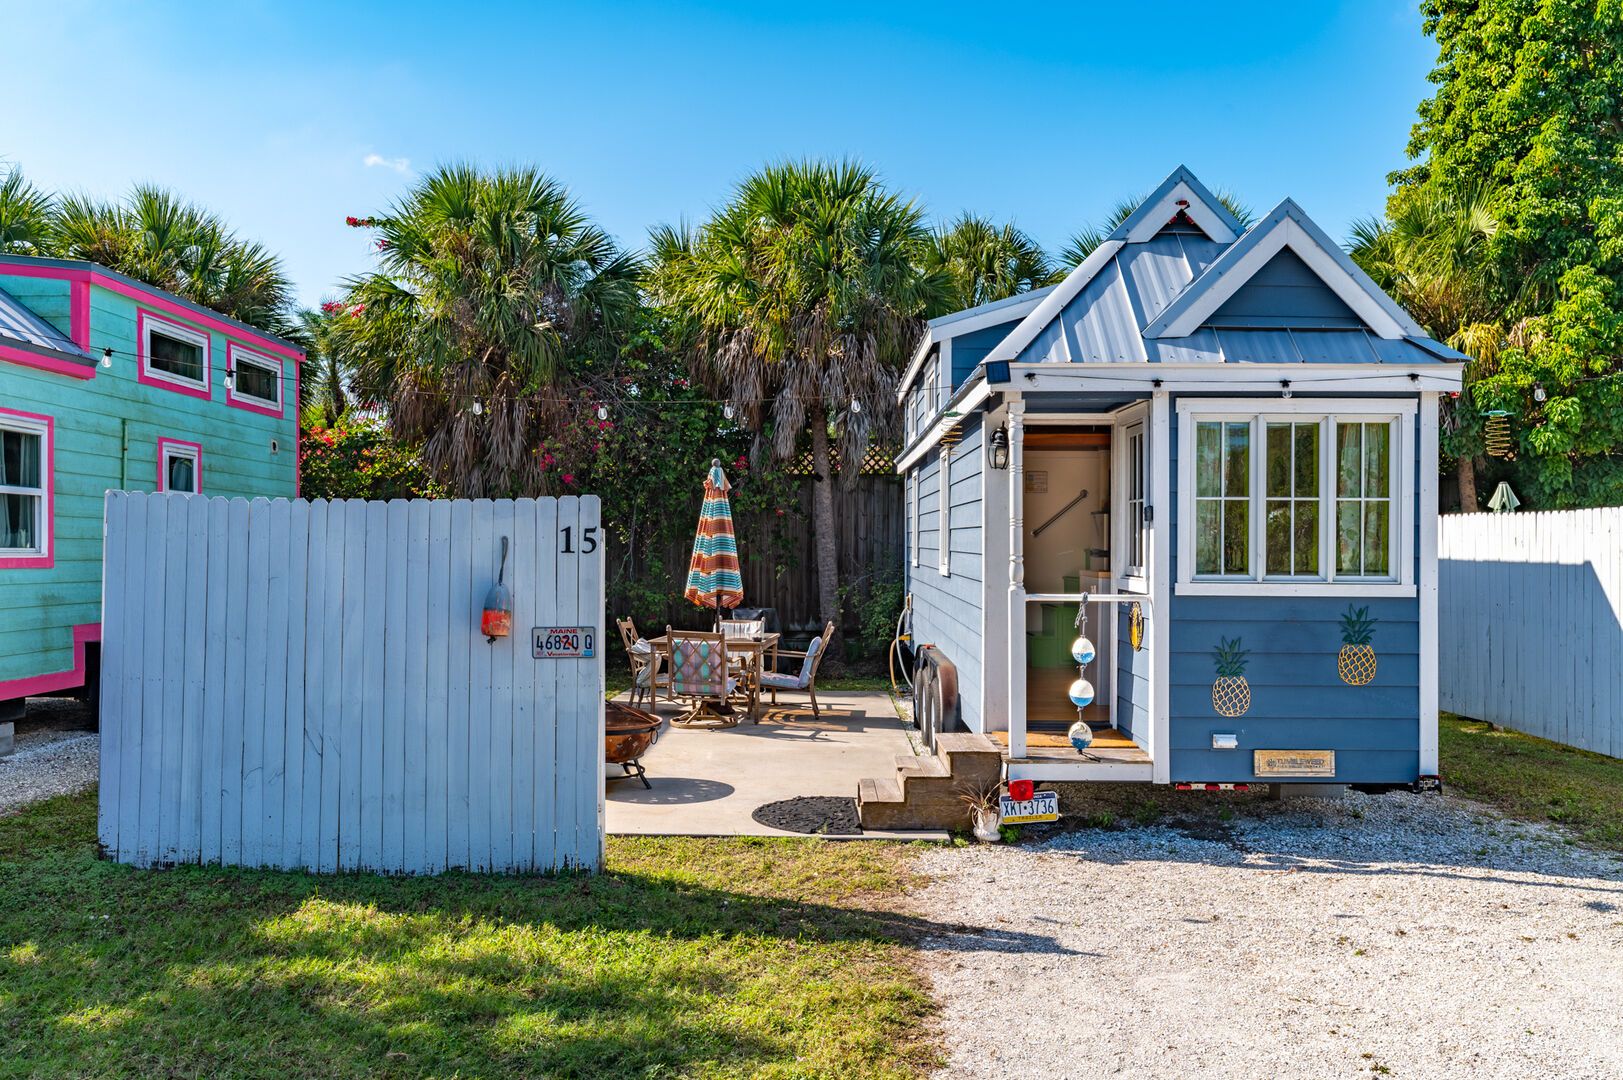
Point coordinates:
[[496, 620], [1496, 433]]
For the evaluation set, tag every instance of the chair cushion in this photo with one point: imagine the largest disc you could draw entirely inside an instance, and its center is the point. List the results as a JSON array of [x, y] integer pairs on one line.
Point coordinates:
[[643, 675], [779, 681], [641, 647]]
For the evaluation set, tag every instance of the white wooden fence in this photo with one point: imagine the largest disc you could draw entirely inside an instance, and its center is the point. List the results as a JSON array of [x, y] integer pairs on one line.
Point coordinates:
[[304, 684], [1531, 623]]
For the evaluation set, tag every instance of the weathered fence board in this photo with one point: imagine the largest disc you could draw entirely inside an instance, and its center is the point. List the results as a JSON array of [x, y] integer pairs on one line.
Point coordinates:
[[305, 685], [1531, 619]]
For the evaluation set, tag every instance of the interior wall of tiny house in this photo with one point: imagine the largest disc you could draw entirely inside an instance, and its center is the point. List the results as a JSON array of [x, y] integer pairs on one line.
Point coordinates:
[[106, 427]]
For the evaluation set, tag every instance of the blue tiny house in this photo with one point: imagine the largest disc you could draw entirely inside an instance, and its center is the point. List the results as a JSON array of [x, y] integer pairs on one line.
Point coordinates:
[[107, 383], [1214, 450]]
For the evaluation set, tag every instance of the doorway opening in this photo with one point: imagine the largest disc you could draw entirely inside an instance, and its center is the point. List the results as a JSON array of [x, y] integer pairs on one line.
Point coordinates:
[[1066, 512]]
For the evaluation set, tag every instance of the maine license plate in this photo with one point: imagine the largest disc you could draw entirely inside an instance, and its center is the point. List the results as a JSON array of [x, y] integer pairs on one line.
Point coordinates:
[[1042, 806], [563, 642]]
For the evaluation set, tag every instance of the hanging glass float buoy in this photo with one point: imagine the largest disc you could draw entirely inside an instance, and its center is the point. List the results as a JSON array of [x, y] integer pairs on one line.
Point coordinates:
[[1082, 650], [1081, 736], [1496, 433], [1081, 693]]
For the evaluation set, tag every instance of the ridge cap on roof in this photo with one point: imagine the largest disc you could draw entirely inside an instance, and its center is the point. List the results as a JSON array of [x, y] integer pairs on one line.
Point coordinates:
[[1181, 174]]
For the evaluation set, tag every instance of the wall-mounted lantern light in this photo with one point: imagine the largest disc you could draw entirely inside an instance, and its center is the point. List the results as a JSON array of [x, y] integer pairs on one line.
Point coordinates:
[[997, 448], [497, 618]]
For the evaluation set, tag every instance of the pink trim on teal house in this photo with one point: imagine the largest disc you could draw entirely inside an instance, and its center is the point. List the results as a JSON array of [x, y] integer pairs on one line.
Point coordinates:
[[56, 680], [47, 363], [142, 318], [152, 300], [253, 404], [79, 314], [46, 559], [164, 443]]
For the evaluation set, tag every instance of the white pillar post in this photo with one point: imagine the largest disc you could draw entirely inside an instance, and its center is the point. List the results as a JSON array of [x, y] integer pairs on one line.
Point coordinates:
[[1017, 581], [1427, 517]]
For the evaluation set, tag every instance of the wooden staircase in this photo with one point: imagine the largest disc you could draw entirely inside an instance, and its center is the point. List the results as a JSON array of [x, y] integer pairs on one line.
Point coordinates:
[[925, 792]]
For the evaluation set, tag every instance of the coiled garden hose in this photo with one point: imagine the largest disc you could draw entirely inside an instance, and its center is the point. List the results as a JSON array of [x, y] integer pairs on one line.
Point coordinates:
[[896, 645]]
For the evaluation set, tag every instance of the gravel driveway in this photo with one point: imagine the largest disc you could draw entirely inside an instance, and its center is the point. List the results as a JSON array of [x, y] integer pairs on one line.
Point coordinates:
[[1402, 935], [47, 763]]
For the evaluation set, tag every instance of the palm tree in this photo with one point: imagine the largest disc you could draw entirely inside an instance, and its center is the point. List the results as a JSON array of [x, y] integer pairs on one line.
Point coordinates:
[[1082, 243], [324, 378], [25, 216], [156, 237], [801, 298], [494, 293], [1433, 254], [986, 262]]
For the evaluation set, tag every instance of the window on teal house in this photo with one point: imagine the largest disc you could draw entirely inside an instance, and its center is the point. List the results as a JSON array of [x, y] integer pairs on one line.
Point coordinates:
[[172, 356], [23, 494], [256, 381], [1295, 495], [180, 467]]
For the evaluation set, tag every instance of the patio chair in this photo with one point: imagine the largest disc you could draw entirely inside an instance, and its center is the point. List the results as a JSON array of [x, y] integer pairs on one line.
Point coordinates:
[[806, 679], [699, 674], [646, 662]]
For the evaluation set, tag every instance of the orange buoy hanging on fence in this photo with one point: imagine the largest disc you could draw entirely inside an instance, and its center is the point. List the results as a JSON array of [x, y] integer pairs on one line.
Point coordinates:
[[496, 620]]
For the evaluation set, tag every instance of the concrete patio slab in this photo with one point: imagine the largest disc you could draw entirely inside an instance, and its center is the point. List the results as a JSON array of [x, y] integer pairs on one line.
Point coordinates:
[[707, 782]]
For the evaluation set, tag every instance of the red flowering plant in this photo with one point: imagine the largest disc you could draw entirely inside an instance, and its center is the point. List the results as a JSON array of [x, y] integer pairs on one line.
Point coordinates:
[[356, 459]]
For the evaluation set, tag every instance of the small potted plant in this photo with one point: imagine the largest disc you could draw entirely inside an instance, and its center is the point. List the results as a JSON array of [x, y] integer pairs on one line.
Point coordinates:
[[984, 815]]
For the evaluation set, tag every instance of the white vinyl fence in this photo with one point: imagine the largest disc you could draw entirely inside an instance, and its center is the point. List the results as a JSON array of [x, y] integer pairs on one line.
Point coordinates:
[[1531, 623], [304, 684]]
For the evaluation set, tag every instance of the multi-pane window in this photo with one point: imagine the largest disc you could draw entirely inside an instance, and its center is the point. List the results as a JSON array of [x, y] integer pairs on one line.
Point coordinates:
[[1363, 499], [257, 379], [1291, 496], [1137, 480], [1291, 540], [1223, 498], [23, 479]]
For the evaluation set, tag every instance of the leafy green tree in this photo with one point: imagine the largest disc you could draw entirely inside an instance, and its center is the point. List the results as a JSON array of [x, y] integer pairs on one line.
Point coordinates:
[[496, 302], [1433, 254], [25, 216], [325, 376], [356, 458], [800, 301], [1082, 242], [985, 261], [1529, 100]]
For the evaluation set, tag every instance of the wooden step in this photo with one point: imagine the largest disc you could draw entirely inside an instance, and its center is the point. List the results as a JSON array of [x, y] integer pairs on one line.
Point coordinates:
[[878, 791], [913, 765]]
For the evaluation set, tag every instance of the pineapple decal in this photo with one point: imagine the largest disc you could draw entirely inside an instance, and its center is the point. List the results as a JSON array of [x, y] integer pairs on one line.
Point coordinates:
[[1135, 626], [1356, 661], [1231, 694]]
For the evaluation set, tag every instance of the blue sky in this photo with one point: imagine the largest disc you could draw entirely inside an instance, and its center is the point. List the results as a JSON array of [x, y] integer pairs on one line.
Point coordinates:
[[284, 117]]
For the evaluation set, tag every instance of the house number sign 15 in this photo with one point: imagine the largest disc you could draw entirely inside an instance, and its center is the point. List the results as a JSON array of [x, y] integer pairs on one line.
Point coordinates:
[[563, 642]]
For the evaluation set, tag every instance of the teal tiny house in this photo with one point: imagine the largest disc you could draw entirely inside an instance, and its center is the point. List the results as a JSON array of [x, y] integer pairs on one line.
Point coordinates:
[[1212, 451], [110, 384]]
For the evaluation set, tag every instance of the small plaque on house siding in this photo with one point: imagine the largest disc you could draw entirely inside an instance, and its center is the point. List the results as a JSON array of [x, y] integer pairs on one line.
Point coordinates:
[[1294, 764], [1037, 480]]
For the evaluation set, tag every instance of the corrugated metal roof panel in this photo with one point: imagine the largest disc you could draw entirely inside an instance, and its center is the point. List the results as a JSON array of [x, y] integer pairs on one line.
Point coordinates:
[[1334, 346], [1258, 346], [19, 323], [1154, 273], [1201, 347]]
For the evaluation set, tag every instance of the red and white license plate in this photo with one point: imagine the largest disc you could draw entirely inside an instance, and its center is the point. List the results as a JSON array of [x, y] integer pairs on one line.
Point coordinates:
[[563, 642]]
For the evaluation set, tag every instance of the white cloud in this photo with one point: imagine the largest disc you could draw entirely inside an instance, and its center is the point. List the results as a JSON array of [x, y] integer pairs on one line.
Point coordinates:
[[400, 165]]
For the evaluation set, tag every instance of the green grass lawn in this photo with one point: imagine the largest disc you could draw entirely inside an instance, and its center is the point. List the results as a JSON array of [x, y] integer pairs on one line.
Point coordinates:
[[1535, 779], [686, 958]]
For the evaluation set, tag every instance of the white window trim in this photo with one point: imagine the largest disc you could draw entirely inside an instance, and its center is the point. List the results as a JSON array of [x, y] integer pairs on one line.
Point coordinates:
[[1258, 412], [944, 526], [10, 421], [913, 501], [149, 323], [1135, 418], [170, 448], [234, 396]]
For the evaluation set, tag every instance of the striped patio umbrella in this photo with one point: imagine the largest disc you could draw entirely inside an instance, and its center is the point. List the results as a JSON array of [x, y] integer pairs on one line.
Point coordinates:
[[713, 575]]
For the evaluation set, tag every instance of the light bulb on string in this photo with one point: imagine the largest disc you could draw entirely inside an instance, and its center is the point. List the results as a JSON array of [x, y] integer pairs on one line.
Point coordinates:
[[856, 406], [478, 408], [229, 380], [727, 410], [602, 412], [107, 358]]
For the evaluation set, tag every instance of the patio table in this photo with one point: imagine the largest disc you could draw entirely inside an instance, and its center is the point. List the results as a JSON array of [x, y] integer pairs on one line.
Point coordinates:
[[753, 651]]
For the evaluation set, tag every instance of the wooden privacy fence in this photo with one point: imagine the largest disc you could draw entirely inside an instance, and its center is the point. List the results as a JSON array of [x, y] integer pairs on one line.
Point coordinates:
[[778, 552], [1531, 623], [304, 684]]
